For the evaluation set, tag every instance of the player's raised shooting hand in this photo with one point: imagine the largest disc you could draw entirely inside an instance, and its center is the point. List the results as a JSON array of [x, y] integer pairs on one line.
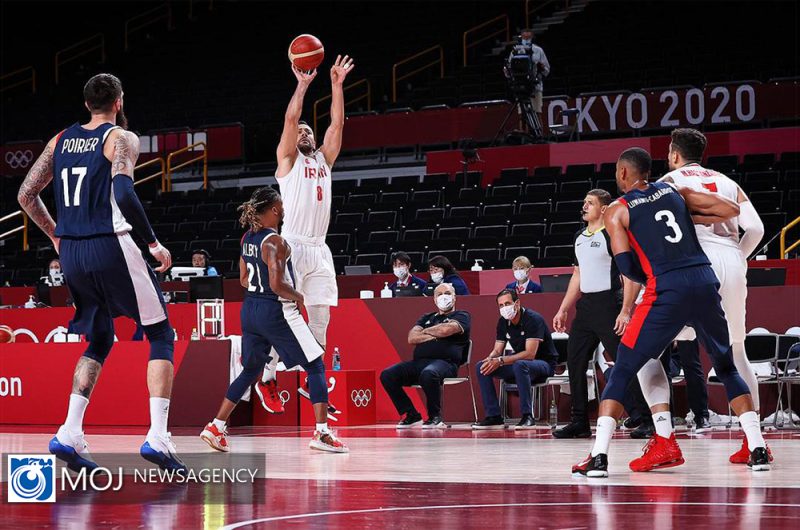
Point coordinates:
[[304, 78], [340, 69], [158, 251]]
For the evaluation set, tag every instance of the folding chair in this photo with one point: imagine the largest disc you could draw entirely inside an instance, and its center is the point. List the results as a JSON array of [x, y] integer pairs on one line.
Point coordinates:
[[466, 360]]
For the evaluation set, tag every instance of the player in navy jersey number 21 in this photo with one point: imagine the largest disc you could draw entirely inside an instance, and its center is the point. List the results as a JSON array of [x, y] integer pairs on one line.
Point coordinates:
[[655, 221], [92, 166]]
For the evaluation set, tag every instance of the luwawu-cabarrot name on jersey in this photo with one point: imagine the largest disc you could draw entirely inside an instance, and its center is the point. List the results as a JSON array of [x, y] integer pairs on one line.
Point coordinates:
[[79, 145], [652, 198]]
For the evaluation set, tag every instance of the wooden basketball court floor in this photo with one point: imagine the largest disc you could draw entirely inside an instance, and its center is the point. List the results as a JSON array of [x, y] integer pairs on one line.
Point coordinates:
[[438, 479]]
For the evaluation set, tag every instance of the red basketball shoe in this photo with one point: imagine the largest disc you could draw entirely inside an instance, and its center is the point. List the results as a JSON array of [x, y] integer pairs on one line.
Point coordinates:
[[743, 454], [658, 452], [217, 439], [327, 441], [268, 394]]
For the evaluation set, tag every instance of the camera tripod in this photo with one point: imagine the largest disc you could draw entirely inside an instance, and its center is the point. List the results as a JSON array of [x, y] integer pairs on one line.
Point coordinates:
[[524, 107]]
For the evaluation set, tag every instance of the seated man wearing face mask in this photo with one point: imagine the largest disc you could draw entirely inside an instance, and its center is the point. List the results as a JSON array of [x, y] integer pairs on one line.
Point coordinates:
[[439, 340], [407, 283], [532, 359], [522, 284]]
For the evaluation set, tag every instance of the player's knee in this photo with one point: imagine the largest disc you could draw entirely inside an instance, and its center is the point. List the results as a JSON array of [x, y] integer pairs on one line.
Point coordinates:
[[729, 376], [162, 341], [315, 367], [99, 346]]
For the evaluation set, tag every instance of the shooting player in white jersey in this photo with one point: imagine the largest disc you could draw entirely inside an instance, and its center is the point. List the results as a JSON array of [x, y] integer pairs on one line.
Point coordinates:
[[720, 241], [304, 177]]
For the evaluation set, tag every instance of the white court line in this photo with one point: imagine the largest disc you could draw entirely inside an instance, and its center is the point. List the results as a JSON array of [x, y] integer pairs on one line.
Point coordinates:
[[504, 505]]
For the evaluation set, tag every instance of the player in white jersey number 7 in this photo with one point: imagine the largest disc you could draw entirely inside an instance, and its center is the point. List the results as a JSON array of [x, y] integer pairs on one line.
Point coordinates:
[[304, 177]]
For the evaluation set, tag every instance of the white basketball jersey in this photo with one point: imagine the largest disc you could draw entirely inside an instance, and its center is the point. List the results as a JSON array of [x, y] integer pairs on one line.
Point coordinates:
[[306, 192], [696, 177]]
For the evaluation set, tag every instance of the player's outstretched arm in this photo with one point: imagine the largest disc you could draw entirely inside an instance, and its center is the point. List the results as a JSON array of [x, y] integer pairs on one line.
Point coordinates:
[[39, 176], [287, 147], [332, 143], [274, 252], [702, 203]]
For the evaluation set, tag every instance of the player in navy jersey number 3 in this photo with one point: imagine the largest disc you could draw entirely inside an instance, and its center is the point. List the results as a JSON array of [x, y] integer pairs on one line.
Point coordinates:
[[655, 221], [91, 166], [271, 318]]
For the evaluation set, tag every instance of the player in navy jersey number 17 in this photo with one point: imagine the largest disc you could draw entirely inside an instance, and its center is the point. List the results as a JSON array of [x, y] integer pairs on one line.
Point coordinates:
[[92, 166], [654, 243]]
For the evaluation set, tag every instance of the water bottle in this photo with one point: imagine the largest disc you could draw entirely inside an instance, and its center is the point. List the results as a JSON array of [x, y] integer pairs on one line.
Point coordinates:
[[195, 334], [477, 267], [31, 303], [553, 414], [337, 360], [386, 292]]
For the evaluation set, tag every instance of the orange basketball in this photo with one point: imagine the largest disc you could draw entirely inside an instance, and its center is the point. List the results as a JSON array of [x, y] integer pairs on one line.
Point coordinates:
[[306, 52], [6, 334]]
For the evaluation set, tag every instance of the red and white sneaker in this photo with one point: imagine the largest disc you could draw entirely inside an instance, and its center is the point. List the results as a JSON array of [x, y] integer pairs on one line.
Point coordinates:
[[327, 441], [659, 452], [270, 399], [742, 456], [215, 438]]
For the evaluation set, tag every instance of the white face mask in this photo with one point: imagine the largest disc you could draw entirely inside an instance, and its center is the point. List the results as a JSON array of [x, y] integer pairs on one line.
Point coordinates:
[[55, 272], [437, 277], [401, 272], [520, 274], [508, 312], [444, 301]]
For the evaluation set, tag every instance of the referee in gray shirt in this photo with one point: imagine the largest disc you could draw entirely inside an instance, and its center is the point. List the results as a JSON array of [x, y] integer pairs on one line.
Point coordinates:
[[602, 313]]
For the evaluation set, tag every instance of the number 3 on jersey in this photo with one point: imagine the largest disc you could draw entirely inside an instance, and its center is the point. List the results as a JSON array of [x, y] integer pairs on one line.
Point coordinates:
[[79, 172], [669, 218]]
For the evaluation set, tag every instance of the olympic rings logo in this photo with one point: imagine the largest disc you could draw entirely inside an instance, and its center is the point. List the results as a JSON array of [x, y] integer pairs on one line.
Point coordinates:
[[19, 159], [284, 396], [361, 398]]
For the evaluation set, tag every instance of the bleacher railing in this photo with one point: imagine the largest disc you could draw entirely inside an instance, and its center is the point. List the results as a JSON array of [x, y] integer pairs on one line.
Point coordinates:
[[426, 52], [148, 18], [79, 49], [30, 78], [538, 5], [348, 102], [784, 250], [203, 157], [22, 228], [497, 26], [162, 173]]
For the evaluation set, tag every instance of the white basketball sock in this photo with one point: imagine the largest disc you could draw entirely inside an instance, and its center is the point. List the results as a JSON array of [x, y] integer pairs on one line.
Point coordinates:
[[322, 427], [219, 424], [159, 412], [77, 408], [663, 423], [605, 430], [752, 430], [271, 368]]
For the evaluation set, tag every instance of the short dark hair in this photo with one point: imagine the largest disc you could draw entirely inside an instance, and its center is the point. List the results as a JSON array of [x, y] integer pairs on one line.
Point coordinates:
[[203, 252], [603, 196], [690, 143], [303, 122], [442, 263], [639, 159], [101, 91], [510, 292], [402, 257]]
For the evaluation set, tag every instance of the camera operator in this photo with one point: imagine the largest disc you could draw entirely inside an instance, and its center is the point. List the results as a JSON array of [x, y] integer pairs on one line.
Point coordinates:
[[538, 69]]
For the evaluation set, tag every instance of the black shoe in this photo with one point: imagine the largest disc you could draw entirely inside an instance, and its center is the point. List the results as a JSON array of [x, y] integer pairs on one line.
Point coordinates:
[[490, 423], [702, 425], [412, 419], [527, 422], [434, 423], [759, 459], [574, 430], [592, 466], [631, 424], [643, 432]]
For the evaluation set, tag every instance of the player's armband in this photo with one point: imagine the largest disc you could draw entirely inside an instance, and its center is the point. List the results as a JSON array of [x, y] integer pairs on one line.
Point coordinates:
[[629, 267]]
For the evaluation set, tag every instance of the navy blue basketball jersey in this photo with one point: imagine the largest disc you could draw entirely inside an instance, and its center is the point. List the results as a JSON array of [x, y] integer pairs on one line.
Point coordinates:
[[661, 230], [257, 271], [82, 181]]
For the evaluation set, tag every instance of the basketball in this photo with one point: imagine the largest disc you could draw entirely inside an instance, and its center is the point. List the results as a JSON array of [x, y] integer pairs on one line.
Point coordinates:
[[306, 52], [6, 334]]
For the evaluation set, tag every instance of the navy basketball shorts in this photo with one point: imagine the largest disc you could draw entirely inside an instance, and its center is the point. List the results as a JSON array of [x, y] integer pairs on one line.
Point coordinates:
[[107, 277], [268, 324]]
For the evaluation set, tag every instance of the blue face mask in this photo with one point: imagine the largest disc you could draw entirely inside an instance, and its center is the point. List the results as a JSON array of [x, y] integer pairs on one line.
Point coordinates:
[[527, 42]]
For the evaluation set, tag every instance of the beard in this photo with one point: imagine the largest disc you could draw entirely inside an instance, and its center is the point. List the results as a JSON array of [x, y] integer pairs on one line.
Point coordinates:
[[306, 148], [122, 120]]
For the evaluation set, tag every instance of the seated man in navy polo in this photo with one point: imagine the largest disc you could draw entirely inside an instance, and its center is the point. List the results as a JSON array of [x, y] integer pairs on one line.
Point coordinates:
[[521, 266], [532, 359], [440, 340], [407, 283]]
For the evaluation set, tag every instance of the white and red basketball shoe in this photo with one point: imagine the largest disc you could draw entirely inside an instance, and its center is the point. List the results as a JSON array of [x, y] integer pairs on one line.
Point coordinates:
[[217, 439], [269, 396], [327, 441]]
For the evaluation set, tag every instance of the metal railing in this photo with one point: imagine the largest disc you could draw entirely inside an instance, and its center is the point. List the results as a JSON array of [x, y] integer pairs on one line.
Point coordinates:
[[171, 168], [439, 61], [784, 250], [22, 228], [28, 79], [367, 95], [148, 18], [162, 173], [81, 48], [504, 28], [540, 4]]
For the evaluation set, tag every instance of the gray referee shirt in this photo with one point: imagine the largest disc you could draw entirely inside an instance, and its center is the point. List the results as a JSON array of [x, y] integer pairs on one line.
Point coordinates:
[[593, 255]]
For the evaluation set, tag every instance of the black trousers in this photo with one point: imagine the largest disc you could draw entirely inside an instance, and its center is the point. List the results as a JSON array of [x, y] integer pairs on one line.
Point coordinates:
[[428, 373], [687, 356], [595, 316]]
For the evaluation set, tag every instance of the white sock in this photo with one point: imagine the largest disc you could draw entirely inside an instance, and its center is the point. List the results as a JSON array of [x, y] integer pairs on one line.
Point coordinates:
[[271, 368], [605, 430], [752, 430], [663, 424], [159, 412], [219, 424], [77, 407], [322, 427]]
